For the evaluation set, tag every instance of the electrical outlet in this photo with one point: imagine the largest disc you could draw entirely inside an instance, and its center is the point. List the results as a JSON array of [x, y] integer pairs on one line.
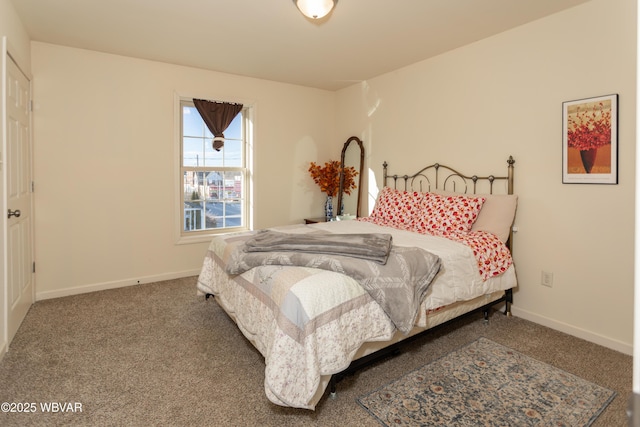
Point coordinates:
[[546, 279]]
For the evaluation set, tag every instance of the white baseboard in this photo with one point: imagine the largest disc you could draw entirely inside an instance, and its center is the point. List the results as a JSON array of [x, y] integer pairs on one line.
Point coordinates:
[[113, 285], [3, 350], [622, 347]]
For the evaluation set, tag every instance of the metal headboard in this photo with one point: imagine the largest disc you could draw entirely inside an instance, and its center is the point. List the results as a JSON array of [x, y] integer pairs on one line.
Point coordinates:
[[441, 177]]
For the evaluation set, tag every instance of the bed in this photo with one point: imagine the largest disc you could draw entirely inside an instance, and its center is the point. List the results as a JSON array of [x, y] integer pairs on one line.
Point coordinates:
[[317, 301]]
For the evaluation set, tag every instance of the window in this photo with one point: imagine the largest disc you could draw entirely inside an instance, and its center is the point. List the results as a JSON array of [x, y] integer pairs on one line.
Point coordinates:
[[215, 184]]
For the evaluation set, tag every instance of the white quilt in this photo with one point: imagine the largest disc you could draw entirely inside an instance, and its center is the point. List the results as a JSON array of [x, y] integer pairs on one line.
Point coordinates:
[[309, 323]]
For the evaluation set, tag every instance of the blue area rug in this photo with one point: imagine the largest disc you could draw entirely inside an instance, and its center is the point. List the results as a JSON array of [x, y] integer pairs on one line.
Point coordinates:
[[487, 384]]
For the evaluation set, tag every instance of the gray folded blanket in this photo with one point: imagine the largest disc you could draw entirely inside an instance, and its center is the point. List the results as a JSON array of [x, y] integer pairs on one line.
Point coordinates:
[[371, 246]]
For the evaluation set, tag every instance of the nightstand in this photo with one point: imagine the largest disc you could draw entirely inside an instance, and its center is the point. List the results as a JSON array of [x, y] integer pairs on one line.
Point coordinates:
[[315, 220]]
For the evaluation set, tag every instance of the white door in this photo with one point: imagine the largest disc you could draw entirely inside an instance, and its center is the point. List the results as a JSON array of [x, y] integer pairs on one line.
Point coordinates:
[[19, 233]]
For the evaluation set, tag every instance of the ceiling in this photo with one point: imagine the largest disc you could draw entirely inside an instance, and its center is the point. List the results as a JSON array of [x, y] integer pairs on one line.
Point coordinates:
[[271, 39]]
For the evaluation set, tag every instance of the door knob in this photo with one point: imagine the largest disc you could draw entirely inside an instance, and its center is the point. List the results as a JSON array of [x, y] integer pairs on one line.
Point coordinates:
[[11, 213]]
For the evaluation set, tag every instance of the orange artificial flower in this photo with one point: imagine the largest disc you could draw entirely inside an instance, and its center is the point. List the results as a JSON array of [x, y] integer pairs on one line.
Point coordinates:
[[328, 177]]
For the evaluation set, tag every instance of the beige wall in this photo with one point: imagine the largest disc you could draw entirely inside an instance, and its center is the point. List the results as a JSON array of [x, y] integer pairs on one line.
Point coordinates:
[[105, 162], [17, 37], [503, 96]]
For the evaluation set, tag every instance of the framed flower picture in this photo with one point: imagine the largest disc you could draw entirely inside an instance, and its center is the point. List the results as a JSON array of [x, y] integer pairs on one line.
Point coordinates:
[[590, 140]]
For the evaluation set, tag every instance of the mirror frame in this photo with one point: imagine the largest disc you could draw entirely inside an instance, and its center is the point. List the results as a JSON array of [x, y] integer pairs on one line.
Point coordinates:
[[342, 156]]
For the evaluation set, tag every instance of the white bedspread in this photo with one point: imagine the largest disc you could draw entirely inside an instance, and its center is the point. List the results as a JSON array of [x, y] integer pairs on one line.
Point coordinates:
[[309, 323]]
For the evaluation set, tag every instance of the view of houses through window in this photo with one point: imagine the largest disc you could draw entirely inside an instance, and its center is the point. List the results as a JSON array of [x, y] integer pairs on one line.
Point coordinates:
[[214, 182]]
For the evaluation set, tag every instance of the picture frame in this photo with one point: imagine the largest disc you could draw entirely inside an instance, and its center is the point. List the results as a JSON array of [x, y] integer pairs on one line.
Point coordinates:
[[590, 140]]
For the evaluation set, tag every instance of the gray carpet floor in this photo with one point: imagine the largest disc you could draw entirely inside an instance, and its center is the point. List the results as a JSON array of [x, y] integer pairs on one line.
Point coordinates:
[[156, 354]]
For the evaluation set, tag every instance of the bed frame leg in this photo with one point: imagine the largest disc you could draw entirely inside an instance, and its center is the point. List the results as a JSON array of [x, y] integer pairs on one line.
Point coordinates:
[[332, 387], [508, 302], [485, 314]]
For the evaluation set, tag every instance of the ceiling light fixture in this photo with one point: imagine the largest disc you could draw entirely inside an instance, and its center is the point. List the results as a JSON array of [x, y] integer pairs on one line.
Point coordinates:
[[315, 9]]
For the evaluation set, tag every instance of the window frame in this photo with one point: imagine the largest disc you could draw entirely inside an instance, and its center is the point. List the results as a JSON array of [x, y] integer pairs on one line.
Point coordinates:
[[187, 237]]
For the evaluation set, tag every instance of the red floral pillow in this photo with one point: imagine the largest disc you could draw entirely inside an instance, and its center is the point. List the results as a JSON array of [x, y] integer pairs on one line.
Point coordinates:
[[397, 208], [446, 215]]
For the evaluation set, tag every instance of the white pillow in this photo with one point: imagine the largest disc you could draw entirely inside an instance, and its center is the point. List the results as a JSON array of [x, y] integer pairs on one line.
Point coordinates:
[[497, 213]]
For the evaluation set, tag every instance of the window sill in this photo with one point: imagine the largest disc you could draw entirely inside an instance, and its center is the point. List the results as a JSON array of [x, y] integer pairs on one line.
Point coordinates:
[[206, 237]]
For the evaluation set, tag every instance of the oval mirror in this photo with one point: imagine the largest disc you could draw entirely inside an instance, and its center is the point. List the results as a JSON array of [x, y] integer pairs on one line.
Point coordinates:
[[352, 156]]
